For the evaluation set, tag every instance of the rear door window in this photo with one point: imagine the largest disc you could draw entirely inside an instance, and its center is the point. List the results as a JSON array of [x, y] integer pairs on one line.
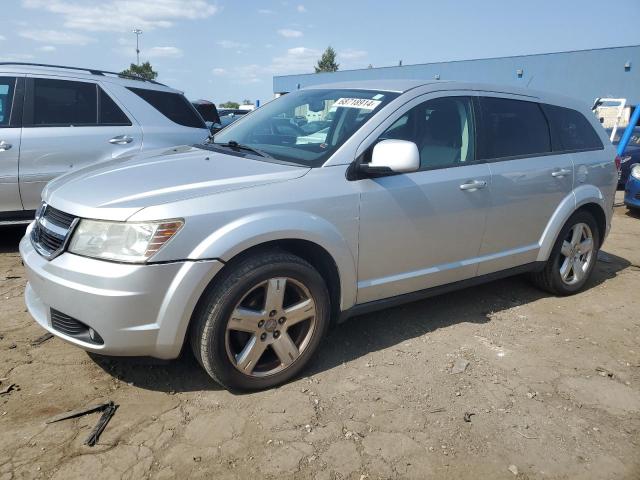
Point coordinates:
[[512, 128], [172, 105], [7, 89], [570, 130], [64, 103]]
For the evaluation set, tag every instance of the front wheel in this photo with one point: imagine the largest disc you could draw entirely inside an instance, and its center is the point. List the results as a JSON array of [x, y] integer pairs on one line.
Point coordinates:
[[261, 322], [572, 258]]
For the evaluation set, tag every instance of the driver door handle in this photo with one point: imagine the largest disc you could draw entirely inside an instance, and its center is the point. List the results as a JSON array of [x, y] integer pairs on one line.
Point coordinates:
[[562, 172], [4, 146], [473, 185], [121, 140]]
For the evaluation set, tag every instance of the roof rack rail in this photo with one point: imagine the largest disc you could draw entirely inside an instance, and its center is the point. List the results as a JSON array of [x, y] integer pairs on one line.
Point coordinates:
[[92, 71]]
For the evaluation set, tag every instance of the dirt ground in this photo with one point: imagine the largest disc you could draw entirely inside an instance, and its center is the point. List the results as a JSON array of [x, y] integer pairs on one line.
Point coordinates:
[[552, 389]]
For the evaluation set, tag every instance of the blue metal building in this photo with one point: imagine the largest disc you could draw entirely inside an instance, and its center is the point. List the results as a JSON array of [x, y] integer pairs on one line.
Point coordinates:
[[582, 74]]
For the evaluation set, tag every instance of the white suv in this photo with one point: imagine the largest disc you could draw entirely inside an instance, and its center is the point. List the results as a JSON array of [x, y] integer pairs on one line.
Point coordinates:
[[54, 119]]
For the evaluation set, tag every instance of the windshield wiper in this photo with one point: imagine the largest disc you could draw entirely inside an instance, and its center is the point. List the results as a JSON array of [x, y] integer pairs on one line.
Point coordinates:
[[238, 146]]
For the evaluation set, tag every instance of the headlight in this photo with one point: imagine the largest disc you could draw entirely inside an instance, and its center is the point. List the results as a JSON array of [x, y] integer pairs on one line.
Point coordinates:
[[133, 242], [635, 171]]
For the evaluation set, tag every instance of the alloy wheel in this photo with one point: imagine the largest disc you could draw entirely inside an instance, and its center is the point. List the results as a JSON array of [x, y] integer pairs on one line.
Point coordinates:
[[270, 327], [576, 254]]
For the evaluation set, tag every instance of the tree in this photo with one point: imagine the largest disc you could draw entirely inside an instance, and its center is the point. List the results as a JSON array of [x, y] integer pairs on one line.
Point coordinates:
[[143, 71], [327, 62], [246, 101], [229, 104]]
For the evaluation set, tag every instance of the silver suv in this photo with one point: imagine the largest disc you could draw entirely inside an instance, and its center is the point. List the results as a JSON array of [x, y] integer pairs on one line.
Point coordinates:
[[54, 119], [325, 203]]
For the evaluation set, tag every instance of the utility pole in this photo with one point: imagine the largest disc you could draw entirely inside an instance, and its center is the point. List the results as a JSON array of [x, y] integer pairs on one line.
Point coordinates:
[[138, 32]]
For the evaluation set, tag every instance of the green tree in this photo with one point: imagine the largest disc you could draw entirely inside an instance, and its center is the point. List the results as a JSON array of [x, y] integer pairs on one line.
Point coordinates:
[[229, 104], [327, 62], [143, 71]]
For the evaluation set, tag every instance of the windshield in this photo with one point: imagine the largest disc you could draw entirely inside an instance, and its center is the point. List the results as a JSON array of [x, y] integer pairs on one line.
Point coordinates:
[[307, 126]]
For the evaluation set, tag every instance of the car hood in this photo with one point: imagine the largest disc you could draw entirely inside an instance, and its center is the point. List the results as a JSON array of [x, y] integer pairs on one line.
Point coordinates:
[[116, 189]]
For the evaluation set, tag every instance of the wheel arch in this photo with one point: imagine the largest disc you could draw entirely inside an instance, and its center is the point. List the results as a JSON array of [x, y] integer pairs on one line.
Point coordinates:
[[585, 197], [310, 237]]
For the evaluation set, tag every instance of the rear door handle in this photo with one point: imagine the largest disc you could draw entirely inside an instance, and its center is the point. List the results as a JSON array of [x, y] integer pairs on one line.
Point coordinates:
[[4, 146], [562, 172], [121, 140], [473, 185]]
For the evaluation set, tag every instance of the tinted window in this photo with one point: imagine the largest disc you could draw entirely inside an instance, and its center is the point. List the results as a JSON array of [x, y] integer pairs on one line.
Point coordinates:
[[512, 128], [441, 128], [110, 113], [7, 87], [64, 103], [172, 105], [570, 130]]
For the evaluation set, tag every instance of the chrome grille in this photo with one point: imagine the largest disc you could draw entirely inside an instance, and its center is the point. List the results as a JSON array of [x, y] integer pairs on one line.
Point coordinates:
[[51, 231]]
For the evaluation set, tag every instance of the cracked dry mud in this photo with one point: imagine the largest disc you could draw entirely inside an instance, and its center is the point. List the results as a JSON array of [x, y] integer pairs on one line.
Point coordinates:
[[553, 383]]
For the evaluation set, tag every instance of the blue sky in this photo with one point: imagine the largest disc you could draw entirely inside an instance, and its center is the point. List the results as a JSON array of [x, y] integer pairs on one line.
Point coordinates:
[[230, 50]]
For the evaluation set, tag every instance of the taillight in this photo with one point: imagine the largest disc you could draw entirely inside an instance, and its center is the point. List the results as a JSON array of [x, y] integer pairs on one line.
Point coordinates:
[[618, 162]]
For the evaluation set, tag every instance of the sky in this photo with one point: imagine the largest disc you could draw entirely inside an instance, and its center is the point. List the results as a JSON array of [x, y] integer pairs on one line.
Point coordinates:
[[230, 49]]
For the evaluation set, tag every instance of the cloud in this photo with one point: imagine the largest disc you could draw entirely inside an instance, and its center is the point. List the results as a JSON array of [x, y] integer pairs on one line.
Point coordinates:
[[162, 52], [301, 9], [296, 60], [265, 11], [15, 57], [47, 48], [128, 49], [122, 15], [351, 54], [2, 37], [231, 44], [56, 37], [248, 74], [288, 33]]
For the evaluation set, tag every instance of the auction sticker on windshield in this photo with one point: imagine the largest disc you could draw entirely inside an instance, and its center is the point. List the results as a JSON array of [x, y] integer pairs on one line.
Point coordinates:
[[362, 103]]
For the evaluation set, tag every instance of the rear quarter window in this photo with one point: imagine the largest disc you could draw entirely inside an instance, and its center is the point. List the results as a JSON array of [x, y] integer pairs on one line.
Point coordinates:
[[570, 130], [172, 105]]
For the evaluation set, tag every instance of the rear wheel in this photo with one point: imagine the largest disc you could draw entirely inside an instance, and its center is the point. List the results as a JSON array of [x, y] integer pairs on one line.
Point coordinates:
[[262, 322], [572, 258]]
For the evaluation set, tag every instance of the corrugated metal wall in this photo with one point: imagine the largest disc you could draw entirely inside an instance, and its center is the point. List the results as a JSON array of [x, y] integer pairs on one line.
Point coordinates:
[[583, 74]]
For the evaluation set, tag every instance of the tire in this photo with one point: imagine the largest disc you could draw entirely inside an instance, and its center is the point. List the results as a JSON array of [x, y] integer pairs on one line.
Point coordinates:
[[235, 334], [551, 277]]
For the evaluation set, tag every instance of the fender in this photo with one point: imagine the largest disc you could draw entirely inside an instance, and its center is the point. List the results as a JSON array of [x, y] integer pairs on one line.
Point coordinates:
[[578, 197], [252, 230]]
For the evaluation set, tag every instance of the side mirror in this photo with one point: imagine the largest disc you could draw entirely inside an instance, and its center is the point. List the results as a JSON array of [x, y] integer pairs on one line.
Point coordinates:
[[392, 156], [207, 111]]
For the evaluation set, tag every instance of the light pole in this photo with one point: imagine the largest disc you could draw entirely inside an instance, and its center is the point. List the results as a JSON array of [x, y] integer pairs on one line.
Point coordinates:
[[138, 32]]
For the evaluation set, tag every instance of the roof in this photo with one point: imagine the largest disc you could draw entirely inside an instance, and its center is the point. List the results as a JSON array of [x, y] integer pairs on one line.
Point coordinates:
[[404, 85], [81, 73], [398, 85]]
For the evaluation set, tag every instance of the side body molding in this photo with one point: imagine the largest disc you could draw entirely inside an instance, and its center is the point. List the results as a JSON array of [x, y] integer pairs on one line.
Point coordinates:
[[257, 228], [578, 197]]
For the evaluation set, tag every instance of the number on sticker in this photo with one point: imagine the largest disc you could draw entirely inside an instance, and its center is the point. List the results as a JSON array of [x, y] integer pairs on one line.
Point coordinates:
[[362, 103]]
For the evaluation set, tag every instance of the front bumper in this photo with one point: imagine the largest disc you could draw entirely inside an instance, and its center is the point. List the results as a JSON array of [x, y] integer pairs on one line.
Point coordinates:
[[632, 193], [138, 310]]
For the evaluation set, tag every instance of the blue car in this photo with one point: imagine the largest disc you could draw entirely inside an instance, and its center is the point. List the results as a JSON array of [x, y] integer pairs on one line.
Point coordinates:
[[632, 189], [631, 154]]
